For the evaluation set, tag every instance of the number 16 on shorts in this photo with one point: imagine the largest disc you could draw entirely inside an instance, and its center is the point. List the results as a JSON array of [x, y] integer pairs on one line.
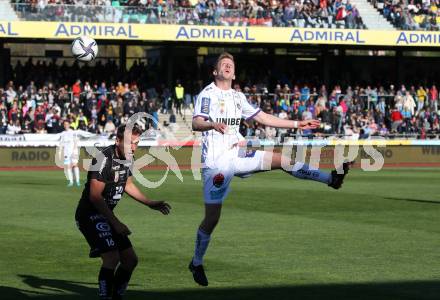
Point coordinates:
[[110, 242]]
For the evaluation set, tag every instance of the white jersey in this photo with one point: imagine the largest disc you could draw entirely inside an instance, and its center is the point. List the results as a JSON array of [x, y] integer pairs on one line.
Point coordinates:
[[222, 106], [69, 142]]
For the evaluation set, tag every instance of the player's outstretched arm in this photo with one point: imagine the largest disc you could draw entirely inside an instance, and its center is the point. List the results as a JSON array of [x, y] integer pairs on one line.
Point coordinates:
[[199, 124], [132, 190], [270, 120], [96, 189]]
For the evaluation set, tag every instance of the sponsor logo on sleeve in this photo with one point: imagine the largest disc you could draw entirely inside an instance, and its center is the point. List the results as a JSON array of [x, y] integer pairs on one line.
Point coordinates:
[[205, 105]]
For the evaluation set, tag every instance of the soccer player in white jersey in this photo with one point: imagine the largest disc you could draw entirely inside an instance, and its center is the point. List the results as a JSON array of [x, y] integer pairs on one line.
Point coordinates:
[[217, 114], [70, 152]]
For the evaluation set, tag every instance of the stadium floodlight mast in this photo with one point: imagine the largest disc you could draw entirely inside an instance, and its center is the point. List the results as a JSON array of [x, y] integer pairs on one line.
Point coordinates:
[[164, 154]]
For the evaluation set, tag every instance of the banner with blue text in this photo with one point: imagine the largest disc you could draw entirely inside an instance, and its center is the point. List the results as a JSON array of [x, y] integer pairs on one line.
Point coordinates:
[[195, 33]]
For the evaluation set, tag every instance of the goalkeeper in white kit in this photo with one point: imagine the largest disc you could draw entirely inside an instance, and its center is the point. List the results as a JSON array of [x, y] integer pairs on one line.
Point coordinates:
[[69, 151]]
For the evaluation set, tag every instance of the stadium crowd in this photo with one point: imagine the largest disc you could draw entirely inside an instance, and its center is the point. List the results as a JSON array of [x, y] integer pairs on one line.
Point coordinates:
[[355, 112], [40, 106], [412, 14], [281, 13], [28, 105]]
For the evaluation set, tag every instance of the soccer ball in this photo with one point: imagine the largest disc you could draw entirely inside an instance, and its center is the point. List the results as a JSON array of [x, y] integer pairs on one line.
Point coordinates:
[[84, 48]]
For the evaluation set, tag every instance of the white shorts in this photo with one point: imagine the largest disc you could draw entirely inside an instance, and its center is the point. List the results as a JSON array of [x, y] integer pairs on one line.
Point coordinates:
[[71, 160], [216, 180]]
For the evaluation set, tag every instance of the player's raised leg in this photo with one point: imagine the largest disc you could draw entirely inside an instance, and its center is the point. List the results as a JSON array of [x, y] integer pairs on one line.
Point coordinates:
[[260, 161], [302, 170]]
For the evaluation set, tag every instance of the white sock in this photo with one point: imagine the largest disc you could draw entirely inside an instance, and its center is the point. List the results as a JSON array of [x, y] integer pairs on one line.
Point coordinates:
[[76, 170], [302, 171], [202, 242], [69, 175]]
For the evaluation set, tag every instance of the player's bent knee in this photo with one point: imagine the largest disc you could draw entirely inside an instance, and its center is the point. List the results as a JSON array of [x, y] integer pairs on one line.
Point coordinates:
[[129, 259], [110, 259], [131, 262]]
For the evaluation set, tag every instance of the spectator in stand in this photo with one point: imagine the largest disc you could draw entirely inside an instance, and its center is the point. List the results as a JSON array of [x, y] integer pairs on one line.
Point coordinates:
[[76, 89], [433, 98], [40, 115], [397, 119], [93, 127], [27, 127], [307, 114], [406, 124], [52, 121], [372, 127], [120, 89], [13, 127], [270, 133], [408, 103], [3, 119], [109, 127], [179, 92], [40, 127], [421, 98], [14, 113], [11, 94], [305, 93], [81, 121], [102, 91]]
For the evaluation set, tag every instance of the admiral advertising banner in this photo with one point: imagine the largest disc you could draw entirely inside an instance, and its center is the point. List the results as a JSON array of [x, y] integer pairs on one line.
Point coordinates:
[[197, 33]]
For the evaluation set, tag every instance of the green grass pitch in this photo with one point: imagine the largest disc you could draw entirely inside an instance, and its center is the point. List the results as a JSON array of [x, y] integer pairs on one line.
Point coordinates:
[[279, 238]]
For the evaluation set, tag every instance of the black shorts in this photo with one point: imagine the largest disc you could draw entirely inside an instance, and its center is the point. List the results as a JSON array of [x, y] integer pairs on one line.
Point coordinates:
[[100, 235]]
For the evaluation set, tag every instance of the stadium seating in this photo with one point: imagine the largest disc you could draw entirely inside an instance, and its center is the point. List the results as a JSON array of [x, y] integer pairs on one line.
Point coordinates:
[[410, 15], [291, 13], [354, 14]]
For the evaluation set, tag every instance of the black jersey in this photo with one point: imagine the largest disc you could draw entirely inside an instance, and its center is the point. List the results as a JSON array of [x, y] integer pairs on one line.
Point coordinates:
[[108, 169]]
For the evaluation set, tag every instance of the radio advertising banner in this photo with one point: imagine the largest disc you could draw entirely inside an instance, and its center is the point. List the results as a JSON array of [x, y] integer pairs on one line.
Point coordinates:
[[184, 157]]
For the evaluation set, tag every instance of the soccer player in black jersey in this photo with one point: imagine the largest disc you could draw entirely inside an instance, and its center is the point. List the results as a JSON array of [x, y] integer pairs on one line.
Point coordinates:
[[110, 176]]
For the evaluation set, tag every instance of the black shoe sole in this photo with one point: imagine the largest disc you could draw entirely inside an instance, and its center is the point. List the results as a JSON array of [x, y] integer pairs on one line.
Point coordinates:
[[191, 268]]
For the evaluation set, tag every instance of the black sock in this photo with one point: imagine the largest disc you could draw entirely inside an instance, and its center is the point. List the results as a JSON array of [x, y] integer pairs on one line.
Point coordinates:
[[106, 280], [122, 277]]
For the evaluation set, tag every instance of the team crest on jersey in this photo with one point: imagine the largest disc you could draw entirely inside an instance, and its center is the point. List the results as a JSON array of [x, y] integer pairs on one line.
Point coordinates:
[[218, 180], [222, 106]]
